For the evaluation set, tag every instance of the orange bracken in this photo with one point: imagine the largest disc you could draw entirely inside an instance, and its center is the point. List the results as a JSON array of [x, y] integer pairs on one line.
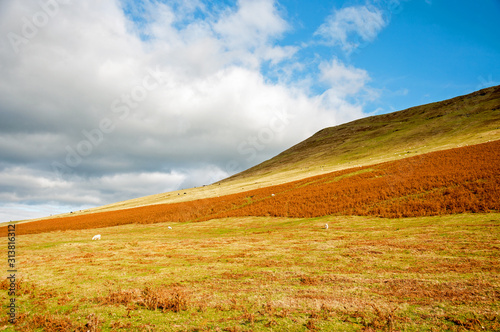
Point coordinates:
[[459, 180]]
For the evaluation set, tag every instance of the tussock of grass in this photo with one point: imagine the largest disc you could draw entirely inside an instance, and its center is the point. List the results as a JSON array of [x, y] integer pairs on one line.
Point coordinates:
[[55, 323], [124, 297], [164, 299]]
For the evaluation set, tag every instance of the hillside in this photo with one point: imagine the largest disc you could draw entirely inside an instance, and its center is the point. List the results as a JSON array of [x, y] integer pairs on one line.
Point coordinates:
[[464, 120], [443, 182]]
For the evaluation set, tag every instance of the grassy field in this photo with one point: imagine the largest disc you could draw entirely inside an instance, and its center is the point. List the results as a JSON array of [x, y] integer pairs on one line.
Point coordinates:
[[263, 274]]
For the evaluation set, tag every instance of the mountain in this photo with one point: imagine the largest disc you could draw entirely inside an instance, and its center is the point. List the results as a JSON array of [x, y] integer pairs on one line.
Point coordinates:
[[464, 120]]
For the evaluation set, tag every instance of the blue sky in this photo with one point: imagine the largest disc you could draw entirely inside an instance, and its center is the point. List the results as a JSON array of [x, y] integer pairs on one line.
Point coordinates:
[[434, 50], [102, 101]]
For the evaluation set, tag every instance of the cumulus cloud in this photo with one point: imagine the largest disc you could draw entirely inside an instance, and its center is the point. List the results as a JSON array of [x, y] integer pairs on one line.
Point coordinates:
[[344, 80], [102, 101], [351, 26]]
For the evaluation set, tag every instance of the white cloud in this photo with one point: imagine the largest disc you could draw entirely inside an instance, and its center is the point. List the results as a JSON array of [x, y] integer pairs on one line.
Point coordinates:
[[350, 26], [136, 184], [344, 80], [251, 27], [214, 108], [37, 186], [20, 211]]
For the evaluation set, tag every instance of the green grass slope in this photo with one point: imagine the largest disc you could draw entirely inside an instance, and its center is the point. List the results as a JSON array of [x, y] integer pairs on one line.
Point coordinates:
[[464, 120]]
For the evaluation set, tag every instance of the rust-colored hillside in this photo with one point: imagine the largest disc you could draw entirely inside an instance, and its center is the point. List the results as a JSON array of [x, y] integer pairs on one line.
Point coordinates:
[[452, 181]]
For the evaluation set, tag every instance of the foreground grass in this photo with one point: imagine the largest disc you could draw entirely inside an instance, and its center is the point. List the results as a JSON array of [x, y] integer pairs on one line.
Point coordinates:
[[252, 274]]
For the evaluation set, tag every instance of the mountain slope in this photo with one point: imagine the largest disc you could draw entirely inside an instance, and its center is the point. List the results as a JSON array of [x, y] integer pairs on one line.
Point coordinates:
[[444, 182], [463, 120]]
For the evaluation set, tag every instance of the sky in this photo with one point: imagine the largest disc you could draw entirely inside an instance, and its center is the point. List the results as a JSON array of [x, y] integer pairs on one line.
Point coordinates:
[[107, 100]]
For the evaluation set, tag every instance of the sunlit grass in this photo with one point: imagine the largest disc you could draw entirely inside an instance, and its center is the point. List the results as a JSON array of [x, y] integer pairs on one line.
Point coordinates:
[[247, 274]]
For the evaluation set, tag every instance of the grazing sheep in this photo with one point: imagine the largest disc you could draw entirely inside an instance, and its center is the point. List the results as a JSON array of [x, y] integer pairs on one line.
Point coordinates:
[[326, 226], [97, 237], [169, 227], [272, 195]]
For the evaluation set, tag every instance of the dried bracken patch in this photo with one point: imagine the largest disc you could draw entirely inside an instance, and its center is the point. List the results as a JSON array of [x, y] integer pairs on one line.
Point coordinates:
[[123, 297], [164, 298], [93, 323], [22, 287], [47, 322], [424, 292], [444, 182]]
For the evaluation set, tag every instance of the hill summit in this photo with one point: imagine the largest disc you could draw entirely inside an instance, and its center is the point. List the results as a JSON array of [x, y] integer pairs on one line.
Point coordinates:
[[464, 120]]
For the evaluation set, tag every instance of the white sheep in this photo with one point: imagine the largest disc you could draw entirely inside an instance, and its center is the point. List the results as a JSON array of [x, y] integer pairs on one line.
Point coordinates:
[[326, 226], [169, 227], [97, 237]]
